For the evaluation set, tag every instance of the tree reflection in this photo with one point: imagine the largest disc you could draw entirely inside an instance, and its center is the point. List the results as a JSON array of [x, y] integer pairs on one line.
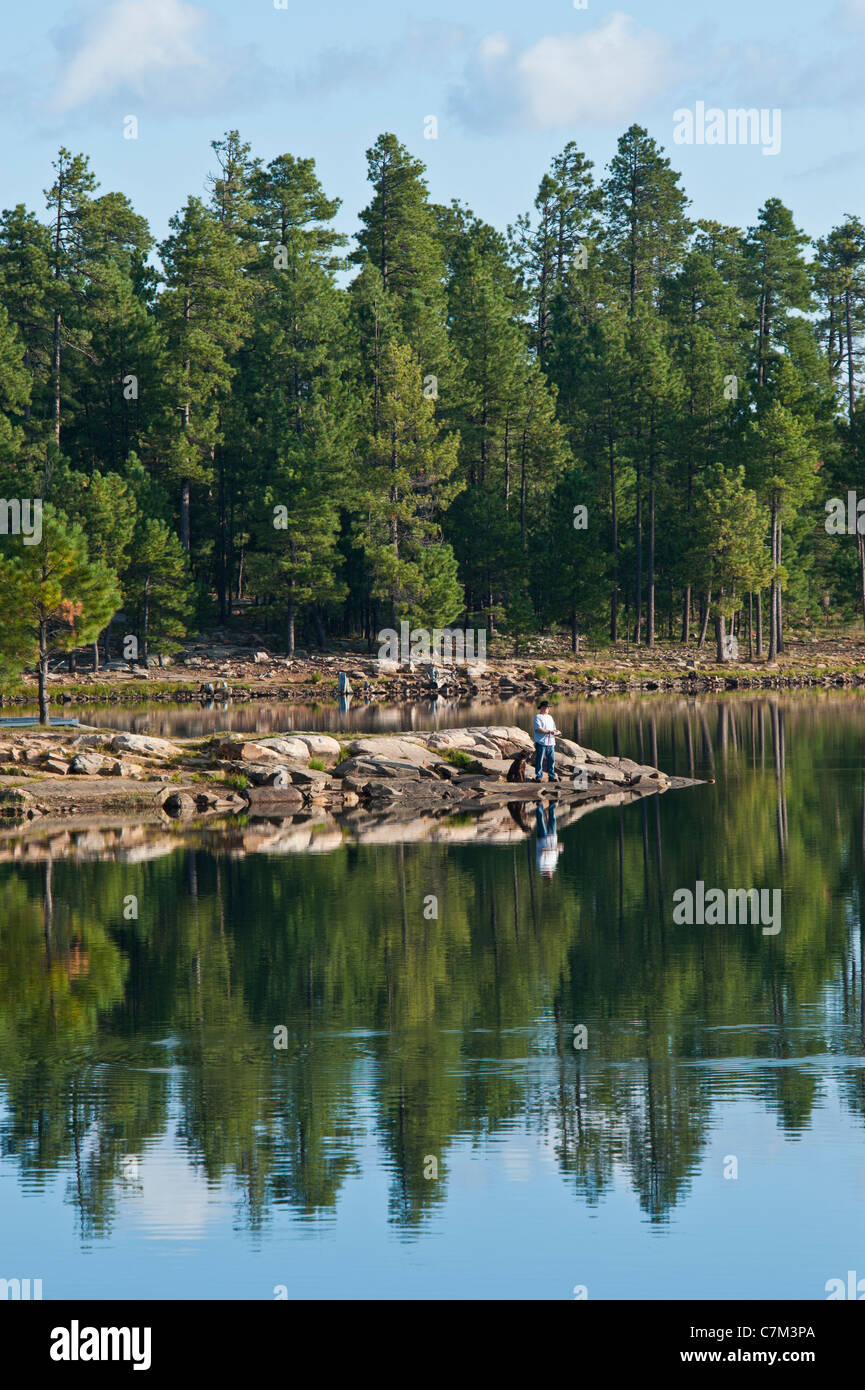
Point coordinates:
[[407, 1034]]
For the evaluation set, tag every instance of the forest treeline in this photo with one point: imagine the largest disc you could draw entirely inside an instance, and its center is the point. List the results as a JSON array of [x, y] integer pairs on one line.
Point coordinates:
[[609, 416]]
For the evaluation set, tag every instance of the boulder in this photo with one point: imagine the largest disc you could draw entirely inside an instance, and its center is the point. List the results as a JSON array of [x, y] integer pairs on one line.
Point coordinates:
[[310, 777], [87, 764], [236, 751], [573, 750], [261, 774], [143, 743], [97, 740], [402, 749], [492, 767], [180, 805], [56, 765], [289, 749], [605, 772], [321, 745], [362, 768]]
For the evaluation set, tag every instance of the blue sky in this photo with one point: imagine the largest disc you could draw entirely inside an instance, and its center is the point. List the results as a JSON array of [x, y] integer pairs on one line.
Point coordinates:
[[509, 83]]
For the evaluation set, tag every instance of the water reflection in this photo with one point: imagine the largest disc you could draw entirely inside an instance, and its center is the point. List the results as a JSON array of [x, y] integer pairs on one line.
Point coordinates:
[[431, 1029]]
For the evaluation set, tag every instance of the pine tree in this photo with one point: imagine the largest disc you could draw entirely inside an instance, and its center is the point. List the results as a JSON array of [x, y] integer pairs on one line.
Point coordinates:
[[202, 314], [400, 238], [68, 199], [407, 477], [27, 293], [777, 281], [15, 388], [646, 226], [549, 248], [105, 509], [300, 415], [705, 311], [644, 242], [784, 466], [157, 588], [53, 596], [728, 555]]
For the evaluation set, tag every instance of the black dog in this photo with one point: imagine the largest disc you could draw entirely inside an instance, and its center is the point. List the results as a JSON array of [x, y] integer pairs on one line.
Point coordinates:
[[517, 769]]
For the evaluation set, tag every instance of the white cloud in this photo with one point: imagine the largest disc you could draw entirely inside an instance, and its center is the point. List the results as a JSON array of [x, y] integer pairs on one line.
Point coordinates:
[[594, 78], [124, 46], [850, 14]]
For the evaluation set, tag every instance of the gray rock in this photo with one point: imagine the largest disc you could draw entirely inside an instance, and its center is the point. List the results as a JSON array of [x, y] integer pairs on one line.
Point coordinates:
[[366, 767], [290, 749], [143, 743], [87, 764], [401, 749]]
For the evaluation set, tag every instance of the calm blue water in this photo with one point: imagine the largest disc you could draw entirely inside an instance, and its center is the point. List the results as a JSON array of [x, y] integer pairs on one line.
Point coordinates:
[[429, 1130]]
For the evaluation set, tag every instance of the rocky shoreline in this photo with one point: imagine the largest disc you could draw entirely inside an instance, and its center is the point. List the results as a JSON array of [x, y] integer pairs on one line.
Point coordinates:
[[222, 671], [97, 777]]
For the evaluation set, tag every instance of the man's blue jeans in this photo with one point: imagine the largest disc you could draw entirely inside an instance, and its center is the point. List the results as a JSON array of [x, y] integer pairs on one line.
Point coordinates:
[[544, 755]]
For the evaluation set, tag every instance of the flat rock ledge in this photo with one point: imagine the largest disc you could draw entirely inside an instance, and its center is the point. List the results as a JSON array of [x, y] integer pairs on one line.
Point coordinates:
[[378, 779]]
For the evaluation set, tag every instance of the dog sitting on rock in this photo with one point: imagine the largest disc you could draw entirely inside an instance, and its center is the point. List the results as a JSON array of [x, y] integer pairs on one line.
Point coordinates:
[[517, 769]]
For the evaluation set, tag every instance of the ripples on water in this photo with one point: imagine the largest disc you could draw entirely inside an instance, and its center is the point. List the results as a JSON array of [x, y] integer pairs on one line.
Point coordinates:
[[426, 1126]]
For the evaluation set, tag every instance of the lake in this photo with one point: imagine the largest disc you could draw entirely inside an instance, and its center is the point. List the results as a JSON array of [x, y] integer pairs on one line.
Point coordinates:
[[358, 1072]]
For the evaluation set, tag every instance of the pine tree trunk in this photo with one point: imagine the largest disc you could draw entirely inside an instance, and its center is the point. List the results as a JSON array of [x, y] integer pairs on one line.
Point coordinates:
[[851, 375], [705, 626], [750, 627], [55, 374], [638, 619], [650, 616], [780, 599], [222, 576], [720, 635], [289, 629], [184, 513], [759, 624], [145, 621], [44, 717], [686, 617], [860, 545], [773, 593], [614, 593]]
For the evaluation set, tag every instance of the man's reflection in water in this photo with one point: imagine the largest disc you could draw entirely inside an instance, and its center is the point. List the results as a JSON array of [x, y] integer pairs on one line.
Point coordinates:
[[549, 848]]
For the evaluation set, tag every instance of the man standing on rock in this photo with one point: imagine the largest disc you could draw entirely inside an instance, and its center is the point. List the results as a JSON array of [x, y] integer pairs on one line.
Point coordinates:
[[545, 742]]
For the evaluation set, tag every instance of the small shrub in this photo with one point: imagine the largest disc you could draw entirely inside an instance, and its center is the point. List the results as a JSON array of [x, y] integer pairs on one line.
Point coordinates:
[[457, 758]]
